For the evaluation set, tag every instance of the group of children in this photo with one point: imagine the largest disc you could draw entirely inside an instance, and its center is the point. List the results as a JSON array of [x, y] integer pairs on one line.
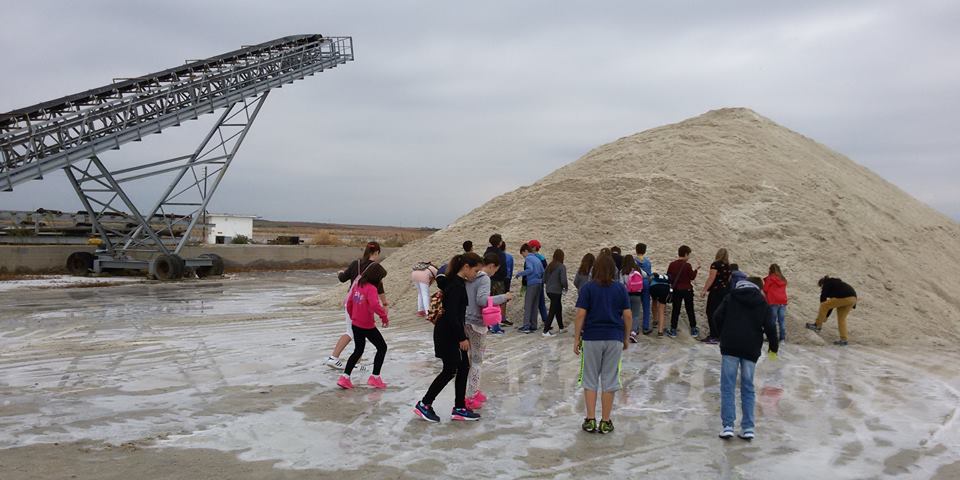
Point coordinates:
[[617, 296]]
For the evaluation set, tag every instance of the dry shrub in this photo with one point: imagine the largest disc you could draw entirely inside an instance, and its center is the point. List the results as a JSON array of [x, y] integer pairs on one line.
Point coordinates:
[[324, 237]]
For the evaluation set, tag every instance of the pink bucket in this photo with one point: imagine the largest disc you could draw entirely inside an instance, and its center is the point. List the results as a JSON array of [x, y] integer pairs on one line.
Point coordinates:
[[491, 313]]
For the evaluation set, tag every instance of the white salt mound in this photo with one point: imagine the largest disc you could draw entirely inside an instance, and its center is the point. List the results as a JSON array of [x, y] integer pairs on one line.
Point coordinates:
[[732, 178]]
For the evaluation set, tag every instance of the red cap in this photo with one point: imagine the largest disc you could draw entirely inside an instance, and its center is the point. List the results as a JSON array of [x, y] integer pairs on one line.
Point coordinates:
[[534, 244]]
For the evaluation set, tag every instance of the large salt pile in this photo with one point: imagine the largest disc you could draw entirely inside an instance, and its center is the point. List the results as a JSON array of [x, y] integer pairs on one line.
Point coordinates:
[[732, 178]]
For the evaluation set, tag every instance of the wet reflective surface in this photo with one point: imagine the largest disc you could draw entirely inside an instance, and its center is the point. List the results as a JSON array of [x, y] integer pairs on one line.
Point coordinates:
[[237, 366]]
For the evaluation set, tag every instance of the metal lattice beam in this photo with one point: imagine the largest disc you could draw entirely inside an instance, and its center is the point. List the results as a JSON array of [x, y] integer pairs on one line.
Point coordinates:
[[53, 135]]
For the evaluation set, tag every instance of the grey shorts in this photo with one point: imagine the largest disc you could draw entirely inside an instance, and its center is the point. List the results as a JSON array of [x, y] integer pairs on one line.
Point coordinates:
[[600, 365]]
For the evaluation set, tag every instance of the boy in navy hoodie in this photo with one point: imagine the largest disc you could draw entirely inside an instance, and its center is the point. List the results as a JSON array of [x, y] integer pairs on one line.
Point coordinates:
[[742, 319]]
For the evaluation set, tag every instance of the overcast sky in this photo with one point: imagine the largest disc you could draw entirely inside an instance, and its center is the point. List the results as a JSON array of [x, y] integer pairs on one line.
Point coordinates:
[[449, 104]]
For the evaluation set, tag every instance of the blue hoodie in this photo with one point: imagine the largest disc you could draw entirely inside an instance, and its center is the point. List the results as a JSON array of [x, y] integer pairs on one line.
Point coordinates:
[[647, 270], [532, 270]]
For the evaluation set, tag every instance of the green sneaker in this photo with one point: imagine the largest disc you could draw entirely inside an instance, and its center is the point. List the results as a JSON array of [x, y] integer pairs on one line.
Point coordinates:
[[606, 426], [589, 425]]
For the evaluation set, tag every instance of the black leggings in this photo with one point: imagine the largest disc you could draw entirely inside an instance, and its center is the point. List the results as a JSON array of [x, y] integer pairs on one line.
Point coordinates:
[[360, 337], [686, 297], [556, 310], [714, 298], [454, 365]]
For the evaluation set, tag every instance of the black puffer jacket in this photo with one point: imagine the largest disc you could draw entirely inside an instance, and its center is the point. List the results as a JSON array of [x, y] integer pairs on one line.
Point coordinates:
[[742, 319]]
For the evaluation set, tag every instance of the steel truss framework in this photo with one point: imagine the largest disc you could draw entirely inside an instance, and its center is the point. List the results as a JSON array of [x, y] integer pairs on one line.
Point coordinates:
[[71, 132]]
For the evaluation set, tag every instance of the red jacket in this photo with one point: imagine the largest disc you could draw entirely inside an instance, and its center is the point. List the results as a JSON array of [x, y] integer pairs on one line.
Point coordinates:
[[775, 288], [362, 303]]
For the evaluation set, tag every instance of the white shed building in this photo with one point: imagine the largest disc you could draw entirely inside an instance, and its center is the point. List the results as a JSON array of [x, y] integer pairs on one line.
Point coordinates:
[[224, 227]]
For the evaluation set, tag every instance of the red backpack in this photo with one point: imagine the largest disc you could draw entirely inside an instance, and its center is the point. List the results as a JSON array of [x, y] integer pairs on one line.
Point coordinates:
[[634, 282]]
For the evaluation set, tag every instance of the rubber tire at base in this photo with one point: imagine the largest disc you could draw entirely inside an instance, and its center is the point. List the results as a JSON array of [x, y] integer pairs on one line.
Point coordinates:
[[168, 267], [80, 263], [214, 270]]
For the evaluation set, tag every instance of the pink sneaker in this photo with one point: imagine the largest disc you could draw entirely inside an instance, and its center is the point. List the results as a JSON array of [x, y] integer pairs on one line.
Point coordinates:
[[376, 382], [344, 383]]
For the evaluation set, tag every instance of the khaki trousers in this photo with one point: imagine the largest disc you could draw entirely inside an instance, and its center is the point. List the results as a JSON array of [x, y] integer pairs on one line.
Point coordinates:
[[843, 307]]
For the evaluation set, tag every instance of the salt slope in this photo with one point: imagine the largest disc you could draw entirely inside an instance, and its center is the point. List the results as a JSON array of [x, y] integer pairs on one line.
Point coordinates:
[[732, 178]]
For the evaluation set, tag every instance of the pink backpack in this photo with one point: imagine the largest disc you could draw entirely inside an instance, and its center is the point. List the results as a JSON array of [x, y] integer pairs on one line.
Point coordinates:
[[634, 282], [491, 313]]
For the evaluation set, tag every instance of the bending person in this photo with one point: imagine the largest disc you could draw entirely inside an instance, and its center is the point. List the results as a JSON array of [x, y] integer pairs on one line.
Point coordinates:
[[839, 295]]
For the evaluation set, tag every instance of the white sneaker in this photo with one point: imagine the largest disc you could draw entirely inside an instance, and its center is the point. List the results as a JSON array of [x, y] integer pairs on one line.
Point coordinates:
[[747, 435], [335, 363], [563, 330], [548, 334], [727, 433]]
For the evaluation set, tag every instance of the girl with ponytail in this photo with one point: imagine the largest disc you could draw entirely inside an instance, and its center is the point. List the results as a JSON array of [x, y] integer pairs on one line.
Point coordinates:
[[371, 255], [450, 339]]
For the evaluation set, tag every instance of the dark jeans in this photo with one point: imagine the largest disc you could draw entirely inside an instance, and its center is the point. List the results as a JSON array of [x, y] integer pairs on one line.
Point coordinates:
[[542, 306], [686, 297], [453, 366], [714, 298], [556, 311], [360, 337]]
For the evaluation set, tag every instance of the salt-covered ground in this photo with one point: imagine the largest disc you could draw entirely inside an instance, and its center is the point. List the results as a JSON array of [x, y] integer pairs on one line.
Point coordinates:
[[65, 281], [225, 379]]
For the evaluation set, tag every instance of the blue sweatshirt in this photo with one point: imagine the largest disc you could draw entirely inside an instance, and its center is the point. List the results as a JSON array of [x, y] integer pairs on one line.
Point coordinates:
[[647, 269], [532, 270]]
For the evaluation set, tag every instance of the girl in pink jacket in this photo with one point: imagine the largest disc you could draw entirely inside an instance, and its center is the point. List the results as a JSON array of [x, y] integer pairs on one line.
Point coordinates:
[[362, 303]]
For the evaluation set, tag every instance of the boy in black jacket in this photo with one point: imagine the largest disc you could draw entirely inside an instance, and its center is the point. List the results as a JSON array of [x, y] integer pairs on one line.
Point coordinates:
[[742, 319], [835, 294]]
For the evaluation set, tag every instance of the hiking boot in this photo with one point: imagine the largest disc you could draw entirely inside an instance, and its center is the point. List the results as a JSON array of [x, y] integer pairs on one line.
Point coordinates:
[[376, 382], [589, 425], [727, 433], [344, 382], [426, 412], [464, 415], [813, 326], [606, 426], [840, 343]]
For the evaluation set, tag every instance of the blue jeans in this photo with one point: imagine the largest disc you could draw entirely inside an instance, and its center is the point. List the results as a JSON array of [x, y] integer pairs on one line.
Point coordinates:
[[636, 305], [728, 385], [779, 313], [645, 297]]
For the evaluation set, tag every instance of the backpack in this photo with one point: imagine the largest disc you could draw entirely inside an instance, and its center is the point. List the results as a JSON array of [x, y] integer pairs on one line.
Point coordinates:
[[436, 307], [421, 266], [634, 282]]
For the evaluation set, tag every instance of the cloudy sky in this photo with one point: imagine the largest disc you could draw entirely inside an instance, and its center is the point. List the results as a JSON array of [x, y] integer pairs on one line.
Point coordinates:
[[449, 104]]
